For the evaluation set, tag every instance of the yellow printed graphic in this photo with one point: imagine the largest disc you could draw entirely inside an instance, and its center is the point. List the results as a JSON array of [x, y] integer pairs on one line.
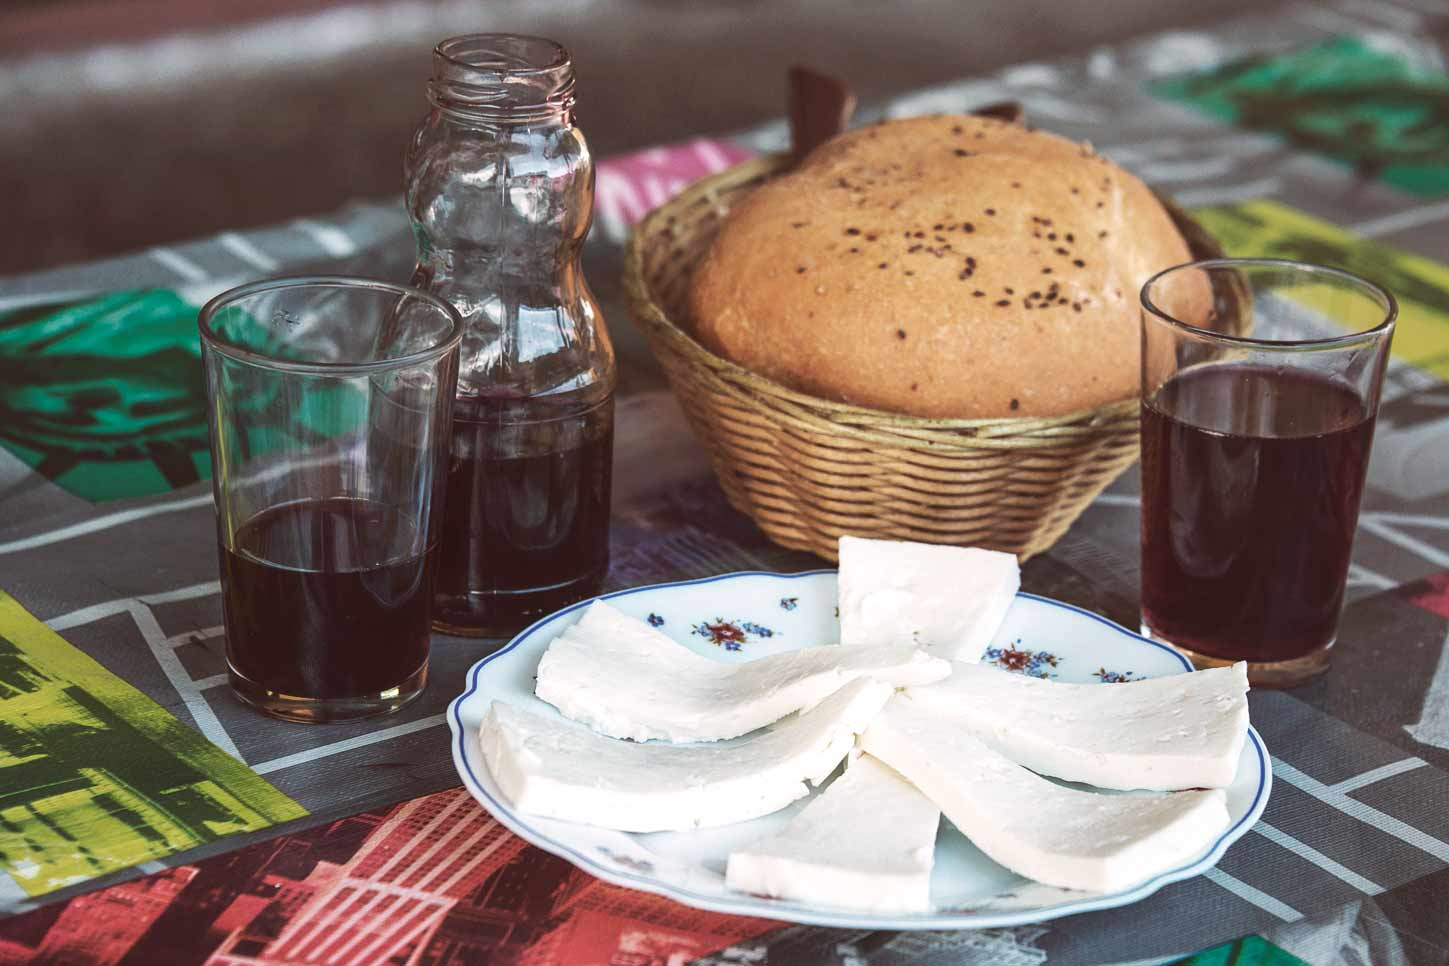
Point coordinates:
[[95, 776], [1269, 229]]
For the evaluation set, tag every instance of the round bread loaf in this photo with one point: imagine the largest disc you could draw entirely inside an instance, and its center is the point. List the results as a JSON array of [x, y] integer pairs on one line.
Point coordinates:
[[940, 266]]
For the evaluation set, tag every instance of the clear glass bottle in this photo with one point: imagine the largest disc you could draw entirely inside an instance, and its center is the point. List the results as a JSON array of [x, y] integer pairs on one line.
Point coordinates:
[[500, 189]]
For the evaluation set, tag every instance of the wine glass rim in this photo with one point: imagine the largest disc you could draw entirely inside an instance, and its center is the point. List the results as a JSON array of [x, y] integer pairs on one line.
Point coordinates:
[[442, 346], [1383, 295]]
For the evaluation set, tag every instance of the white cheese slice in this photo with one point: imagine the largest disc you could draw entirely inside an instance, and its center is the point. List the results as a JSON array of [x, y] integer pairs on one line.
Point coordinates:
[[1180, 731], [623, 678], [1057, 835], [867, 842], [551, 767], [949, 600]]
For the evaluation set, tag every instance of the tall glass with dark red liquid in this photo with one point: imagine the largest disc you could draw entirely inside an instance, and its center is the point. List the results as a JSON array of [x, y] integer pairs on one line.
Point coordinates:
[[329, 401], [1260, 386], [500, 192]]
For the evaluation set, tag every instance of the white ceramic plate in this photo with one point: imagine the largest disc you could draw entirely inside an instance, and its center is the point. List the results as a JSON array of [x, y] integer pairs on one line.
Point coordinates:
[[738, 617]]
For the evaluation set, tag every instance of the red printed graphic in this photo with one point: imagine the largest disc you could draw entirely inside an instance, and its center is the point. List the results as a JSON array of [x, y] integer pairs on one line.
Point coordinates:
[[1432, 594], [631, 186], [432, 881]]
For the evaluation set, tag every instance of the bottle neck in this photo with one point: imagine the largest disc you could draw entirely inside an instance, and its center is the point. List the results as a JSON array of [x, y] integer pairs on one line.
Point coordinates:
[[503, 80], [467, 115]]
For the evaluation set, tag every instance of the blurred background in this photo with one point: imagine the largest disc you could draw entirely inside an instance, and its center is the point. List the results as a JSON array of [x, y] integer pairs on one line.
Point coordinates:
[[127, 123]]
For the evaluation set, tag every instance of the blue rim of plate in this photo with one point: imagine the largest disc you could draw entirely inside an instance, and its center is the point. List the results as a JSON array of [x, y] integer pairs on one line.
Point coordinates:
[[844, 919]]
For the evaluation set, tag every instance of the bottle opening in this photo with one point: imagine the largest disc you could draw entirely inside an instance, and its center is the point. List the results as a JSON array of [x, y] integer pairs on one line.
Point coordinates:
[[505, 77]]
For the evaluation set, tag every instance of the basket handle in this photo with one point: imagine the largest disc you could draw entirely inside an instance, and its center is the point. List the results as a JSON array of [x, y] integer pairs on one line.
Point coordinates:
[[820, 108], [1009, 111]]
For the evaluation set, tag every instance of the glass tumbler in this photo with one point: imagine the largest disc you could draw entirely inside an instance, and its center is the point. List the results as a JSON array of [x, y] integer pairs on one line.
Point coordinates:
[[330, 403], [1260, 385]]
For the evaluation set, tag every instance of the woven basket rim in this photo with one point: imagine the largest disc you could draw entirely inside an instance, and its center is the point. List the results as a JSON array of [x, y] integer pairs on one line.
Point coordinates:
[[650, 312]]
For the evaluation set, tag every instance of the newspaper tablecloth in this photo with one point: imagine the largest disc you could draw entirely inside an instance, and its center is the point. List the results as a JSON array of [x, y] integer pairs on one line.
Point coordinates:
[[146, 817]]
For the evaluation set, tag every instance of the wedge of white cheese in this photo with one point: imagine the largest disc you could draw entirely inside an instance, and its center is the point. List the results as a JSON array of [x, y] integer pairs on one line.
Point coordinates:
[[625, 679], [548, 766], [949, 600], [1037, 828], [867, 842], [1180, 731]]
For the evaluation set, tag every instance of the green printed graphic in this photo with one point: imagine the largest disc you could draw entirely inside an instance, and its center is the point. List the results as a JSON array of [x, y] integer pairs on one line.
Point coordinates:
[[95, 776], [1345, 98], [106, 396], [1269, 229], [1248, 951]]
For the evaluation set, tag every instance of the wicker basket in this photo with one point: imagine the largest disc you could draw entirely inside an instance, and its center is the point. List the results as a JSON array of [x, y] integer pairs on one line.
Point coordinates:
[[809, 469]]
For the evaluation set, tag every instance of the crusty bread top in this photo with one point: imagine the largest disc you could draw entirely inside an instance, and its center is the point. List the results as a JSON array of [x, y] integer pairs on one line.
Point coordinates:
[[940, 266]]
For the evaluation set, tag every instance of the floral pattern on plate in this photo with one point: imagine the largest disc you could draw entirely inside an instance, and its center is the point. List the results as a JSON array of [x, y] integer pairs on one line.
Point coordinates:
[[1014, 658], [731, 635]]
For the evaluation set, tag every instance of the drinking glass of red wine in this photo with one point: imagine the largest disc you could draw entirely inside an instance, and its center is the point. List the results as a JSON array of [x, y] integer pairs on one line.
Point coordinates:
[[330, 402], [1260, 384]]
